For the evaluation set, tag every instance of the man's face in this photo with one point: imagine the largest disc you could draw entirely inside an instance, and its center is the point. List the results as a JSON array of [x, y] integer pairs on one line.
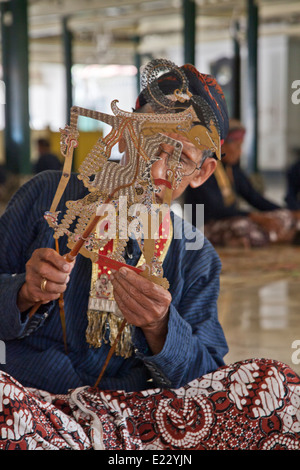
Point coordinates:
[[232, 151], [190, 160]]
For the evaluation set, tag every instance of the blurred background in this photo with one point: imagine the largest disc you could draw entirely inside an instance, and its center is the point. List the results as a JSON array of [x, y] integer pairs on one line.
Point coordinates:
[[56, 53], [59, 53]]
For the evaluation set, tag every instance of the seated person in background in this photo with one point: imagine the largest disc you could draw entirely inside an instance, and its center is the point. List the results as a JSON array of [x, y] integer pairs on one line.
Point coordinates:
[[3, 179], [46, 159], [225, 223], [292, 197]]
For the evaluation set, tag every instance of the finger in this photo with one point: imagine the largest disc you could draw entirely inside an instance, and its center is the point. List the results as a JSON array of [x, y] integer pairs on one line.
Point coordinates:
[[138, 308], [57, 261], [54, 259], [54, 287], [131, 297], [143, 285], [32, 293], [48, 264], [135, 313], [53, 275], [131, 315]]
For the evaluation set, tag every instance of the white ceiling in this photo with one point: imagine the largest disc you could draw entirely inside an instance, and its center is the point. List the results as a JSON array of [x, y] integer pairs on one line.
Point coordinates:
[[105, 31]]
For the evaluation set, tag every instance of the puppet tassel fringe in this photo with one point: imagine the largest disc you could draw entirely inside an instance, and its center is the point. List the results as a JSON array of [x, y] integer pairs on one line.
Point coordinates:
[[103, 325]]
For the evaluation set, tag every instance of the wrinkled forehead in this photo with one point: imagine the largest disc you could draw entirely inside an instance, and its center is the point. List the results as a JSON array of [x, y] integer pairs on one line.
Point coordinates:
[[185, 124]]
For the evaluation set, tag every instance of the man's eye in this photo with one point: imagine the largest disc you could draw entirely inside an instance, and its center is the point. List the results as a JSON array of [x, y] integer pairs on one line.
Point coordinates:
[[184, 159]]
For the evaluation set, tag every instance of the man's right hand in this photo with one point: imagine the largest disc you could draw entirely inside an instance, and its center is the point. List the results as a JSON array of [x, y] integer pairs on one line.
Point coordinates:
[[47, 276]]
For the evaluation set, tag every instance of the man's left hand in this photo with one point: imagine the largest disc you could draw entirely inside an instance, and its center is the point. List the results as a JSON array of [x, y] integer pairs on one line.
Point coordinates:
[[143, 304]]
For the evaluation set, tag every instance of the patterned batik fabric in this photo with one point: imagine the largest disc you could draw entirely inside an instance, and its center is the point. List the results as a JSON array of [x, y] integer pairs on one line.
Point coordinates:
[[242, 231], [235, 232], [251, 405]]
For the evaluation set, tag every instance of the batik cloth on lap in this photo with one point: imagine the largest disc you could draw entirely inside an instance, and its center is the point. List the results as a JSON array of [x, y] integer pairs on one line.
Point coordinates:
[[250, 405]]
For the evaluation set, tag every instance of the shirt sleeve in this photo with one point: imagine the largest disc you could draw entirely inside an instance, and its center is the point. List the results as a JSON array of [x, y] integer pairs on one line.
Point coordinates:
[[18, 237], [195, 343], [210, 196], [246, 190]]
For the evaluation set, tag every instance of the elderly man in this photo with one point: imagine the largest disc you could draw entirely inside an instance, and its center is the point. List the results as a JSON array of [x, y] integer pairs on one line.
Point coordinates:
[[175, 333]]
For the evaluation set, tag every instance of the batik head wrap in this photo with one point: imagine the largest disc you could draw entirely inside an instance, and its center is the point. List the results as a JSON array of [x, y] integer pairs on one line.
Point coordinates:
[[236, 131], [205, 95]]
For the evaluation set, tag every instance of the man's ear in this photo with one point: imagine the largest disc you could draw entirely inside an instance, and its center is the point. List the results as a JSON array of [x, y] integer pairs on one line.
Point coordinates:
[[208, 167]]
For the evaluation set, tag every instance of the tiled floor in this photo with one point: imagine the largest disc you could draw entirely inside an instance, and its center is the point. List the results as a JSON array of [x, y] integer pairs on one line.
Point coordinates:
[[259, 304]]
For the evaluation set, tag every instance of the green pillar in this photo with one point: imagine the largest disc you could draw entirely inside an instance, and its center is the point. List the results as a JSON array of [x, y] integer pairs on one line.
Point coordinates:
[[138, 63], [67, 42], [252, 129], [237, 73], [189, 16], [14, 30]]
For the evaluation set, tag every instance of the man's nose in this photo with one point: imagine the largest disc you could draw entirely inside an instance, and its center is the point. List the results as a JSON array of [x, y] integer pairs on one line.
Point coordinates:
[[165, 153], [160, 167], [165, 156]]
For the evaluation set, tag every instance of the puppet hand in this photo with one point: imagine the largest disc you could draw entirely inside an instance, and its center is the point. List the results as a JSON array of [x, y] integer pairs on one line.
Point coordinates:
[[47, 276], [143, 304]]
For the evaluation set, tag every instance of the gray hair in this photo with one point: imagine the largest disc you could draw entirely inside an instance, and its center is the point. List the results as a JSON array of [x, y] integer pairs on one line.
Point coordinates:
[[207, 154]]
